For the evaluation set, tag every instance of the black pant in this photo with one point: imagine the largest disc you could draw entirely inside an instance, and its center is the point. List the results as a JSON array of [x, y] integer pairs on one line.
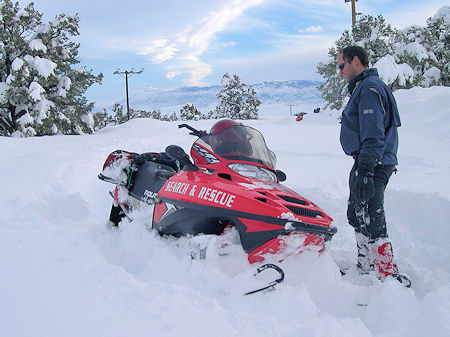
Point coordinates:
[[368, 217]]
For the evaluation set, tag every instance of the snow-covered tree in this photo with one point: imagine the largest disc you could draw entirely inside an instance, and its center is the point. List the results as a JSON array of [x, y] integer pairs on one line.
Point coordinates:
[[374, 35], [173, 117], [101, 119], [210, 115], [41, 89], [190, 112], [143, 113], [156, 114], [169, 118], [237, 100], [427, 50], [415, 56], [251, 104], [334, 89], [438, 42], [119, 116]]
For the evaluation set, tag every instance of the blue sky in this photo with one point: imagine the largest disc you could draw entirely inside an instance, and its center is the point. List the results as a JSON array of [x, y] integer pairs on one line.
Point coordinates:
[[194, 42]]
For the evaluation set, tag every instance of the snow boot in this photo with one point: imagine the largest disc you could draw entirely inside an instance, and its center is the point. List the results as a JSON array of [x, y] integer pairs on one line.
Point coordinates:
[[383, 259], [364, 260]]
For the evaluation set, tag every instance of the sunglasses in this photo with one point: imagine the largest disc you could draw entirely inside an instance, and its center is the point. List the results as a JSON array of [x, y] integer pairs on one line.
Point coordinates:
[[342, 65]]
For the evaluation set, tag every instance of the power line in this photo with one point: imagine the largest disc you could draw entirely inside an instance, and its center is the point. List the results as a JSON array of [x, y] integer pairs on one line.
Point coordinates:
[[127, 72]]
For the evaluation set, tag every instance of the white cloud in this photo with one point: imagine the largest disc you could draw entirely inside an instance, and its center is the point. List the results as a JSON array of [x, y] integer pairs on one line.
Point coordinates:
[[182, 52], [295, 57], [161, 50], [164, 54], [227, 44], [311, 29], [172, 74]]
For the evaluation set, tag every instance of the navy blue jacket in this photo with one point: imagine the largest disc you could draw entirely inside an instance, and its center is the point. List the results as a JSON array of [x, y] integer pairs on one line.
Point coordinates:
[[370, 119]]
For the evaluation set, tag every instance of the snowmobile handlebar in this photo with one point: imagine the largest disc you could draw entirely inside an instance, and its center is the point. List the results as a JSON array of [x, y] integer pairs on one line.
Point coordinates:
[[195, 132]]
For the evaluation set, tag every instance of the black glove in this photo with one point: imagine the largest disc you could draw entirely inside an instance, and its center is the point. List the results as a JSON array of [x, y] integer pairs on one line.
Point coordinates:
[[363, 188]]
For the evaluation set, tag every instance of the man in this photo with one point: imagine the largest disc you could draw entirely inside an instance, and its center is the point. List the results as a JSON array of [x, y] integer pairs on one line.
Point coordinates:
[[369, 134]]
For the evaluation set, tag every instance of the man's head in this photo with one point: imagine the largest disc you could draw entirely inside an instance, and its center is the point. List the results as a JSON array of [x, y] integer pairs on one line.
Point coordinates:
[[352, 61]]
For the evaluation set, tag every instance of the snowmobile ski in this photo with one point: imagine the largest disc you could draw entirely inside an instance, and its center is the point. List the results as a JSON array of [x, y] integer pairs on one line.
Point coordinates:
[[273, 283], [403, 279]]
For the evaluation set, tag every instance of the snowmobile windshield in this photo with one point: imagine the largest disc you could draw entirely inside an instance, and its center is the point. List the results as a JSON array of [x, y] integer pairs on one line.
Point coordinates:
[[241, 142]]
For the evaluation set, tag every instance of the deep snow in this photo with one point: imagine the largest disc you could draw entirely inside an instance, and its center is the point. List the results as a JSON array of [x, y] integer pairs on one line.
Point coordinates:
[[64, 273]]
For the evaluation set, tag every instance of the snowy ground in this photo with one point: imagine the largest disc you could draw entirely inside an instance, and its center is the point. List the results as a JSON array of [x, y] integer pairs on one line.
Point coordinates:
[[64, 273]]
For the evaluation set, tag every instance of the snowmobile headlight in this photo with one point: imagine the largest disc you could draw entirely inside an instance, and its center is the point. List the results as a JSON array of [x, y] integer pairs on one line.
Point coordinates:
[[254, 172]]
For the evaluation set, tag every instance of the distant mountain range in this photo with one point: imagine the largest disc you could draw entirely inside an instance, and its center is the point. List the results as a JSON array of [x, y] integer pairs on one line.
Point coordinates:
[[204, 98]]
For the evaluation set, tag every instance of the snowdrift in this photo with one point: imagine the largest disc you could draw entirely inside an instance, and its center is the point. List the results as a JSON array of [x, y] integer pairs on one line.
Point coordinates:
[[64, 273]]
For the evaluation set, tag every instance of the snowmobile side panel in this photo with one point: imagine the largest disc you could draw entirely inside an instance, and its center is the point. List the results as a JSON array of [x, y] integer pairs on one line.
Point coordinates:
[[149, 179], [159, 211], [188, 221], [259, 235], [295, 226]]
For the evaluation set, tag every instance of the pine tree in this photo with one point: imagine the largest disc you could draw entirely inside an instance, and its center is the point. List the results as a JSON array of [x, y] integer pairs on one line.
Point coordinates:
[[416, 56], [237, 100], [190, 112], [410, 51], [173, 117], [374, 35], [251, 104], [169, 118], [210, 115], [119, 116], [156, 114], [436, 39], [143, 114], [41, 90], [334, 90], [101, 119]]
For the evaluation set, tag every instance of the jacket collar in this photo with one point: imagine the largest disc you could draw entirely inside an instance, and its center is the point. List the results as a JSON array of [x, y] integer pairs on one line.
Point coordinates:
[[358, 78]]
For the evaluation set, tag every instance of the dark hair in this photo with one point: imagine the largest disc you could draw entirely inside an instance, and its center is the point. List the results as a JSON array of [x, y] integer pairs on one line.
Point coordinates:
[[351, 51]]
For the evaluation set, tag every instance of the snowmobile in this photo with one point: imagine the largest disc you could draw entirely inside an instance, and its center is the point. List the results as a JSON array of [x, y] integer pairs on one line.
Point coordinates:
[[230, 182]]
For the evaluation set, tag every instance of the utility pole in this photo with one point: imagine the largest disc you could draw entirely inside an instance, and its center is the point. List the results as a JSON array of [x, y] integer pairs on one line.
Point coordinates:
[[353, 11], [290, 108], [127, 72]]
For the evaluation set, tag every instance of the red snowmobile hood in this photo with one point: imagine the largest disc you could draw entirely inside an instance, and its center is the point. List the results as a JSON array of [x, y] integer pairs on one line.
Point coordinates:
[[223, 189]]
